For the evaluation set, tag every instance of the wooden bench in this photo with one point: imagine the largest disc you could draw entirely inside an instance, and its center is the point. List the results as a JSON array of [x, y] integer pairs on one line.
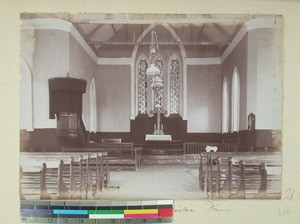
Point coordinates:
[[62, 176], [241, 175], [121, 156]]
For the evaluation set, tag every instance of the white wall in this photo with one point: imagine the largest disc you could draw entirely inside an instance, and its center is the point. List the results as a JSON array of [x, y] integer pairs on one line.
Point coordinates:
[[265, 82], [257, 58], [51, 58], [26, 118], [238, 59], [52, 53], [82, 66], [204, 98], [113, 98]]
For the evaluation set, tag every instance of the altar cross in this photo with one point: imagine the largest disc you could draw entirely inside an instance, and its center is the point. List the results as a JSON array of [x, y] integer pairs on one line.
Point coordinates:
[[158, 111]]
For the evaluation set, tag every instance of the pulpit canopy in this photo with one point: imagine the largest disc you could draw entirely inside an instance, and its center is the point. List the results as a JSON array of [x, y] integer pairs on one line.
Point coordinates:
[[65, 95], [67, 84]]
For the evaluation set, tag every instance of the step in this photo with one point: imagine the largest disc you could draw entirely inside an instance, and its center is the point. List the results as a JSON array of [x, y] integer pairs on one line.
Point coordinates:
[[170, 159]]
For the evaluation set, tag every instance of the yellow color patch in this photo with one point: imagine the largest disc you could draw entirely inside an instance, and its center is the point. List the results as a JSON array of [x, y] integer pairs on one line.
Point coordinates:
[[141, 211]]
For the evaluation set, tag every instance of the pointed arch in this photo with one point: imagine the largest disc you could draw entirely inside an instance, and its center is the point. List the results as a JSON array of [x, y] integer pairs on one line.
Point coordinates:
[[26, 106], [235, 99], [225, 106], [93, 106], [133, 72], [174, 84]]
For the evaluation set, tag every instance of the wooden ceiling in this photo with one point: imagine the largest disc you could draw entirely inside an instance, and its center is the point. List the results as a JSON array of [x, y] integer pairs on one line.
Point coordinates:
[[100, 30]]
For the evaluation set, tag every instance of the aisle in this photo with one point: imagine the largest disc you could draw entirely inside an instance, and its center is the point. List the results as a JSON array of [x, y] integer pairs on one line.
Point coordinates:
[[154, 182]]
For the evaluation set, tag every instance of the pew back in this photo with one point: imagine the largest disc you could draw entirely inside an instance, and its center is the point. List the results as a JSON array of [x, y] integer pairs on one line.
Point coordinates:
[[240, 175], [60, 175], [120, 156]]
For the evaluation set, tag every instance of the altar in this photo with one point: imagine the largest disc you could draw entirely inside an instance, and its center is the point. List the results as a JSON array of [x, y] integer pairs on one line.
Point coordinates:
[[153, 137]]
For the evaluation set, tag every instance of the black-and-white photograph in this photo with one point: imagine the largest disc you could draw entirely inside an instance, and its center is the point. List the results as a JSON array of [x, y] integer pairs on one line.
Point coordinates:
[[150, 106]]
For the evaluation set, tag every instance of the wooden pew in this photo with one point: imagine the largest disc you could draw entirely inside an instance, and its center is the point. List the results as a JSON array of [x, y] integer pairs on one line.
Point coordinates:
[[121, 156], [241, 175], [63, 176]]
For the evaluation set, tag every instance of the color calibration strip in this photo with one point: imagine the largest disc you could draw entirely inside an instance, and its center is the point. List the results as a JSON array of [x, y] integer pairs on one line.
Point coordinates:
[[97, 212]]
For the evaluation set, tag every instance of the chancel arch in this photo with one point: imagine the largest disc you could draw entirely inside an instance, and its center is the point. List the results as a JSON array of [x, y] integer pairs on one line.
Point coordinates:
[[225, 106], [165, 71], [93, 106], [235, 101], [26, 107]]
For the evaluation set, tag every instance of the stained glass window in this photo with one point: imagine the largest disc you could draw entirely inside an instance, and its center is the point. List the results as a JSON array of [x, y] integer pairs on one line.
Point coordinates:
[[174, 86], [159, 98], [142, 86]]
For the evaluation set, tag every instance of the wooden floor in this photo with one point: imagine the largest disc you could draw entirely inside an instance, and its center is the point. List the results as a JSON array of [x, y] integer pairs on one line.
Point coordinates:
[[175, 178]]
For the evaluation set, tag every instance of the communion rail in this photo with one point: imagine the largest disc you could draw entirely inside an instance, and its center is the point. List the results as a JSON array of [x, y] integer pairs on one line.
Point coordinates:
[[63, 175], [200, 147]]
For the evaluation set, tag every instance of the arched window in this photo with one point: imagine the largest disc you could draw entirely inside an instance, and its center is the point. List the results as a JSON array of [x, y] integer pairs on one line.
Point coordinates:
[[26, 118], [159, 98], [235, 101], [142, 86], [93, 106], [225, 106], [174, 86]]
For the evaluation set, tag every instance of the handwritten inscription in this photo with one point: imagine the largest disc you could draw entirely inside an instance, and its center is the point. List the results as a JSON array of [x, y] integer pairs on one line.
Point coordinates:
[[184, 210], [283, 212], [213, 207], [291, 195]]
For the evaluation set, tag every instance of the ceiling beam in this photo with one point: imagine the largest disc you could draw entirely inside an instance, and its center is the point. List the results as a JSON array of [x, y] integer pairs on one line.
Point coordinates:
[[133, 34], [81, 31], [209, 38], [132, 18], [201, 29], [85, 37], [154, 19], [114, 29], [159, 21], [222, 31], [202, 32], [160, 43], [237, 29], [107, 16], [94, 31]]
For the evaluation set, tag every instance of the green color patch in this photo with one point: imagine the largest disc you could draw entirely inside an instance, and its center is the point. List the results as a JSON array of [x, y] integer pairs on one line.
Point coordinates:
[[106, 212]]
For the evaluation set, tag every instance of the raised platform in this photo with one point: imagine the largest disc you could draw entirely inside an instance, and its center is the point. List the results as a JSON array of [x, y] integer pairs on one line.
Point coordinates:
[[158, 138]]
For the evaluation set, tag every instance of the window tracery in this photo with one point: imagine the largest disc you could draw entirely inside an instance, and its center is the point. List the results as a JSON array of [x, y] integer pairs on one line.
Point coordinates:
[[159, 98], [174, 86], [142, 86]]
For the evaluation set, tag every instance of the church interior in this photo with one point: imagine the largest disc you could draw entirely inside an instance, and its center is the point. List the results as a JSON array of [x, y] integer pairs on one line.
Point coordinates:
[[150, 106]]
